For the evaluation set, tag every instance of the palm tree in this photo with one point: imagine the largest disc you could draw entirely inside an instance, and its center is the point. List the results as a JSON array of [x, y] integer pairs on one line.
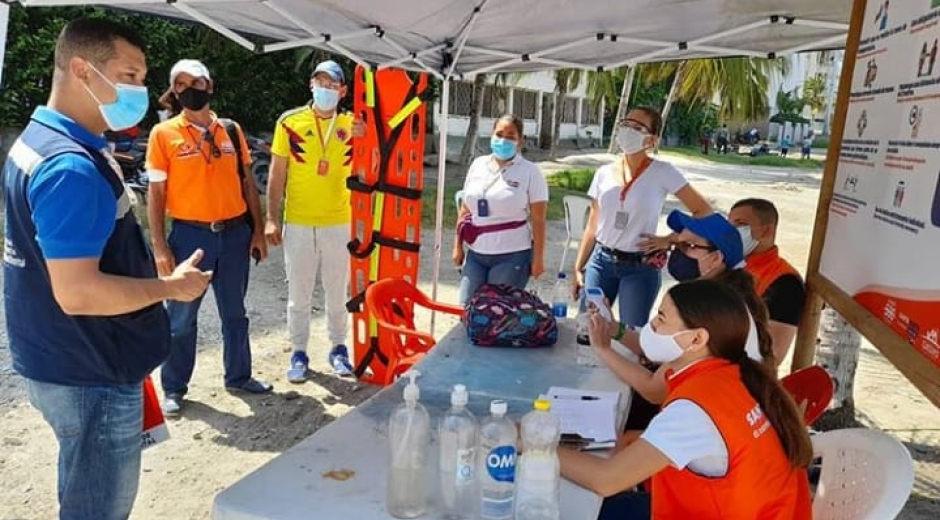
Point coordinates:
[[837, 351], [740, 84], [566, 80], [814, 94], [473, 128]]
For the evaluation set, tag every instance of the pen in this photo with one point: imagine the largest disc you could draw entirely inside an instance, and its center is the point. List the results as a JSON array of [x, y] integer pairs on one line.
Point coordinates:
[[579, 397]]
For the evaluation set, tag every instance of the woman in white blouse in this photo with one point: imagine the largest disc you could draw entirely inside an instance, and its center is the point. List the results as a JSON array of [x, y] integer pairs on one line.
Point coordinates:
[[619, 252], [502, 216]]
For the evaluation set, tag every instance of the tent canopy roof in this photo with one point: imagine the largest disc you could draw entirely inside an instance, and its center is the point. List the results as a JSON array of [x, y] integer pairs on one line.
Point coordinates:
[[466, 37]]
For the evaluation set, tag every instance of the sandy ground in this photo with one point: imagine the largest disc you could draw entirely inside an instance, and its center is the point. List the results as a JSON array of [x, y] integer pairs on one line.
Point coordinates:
[[222, 438]]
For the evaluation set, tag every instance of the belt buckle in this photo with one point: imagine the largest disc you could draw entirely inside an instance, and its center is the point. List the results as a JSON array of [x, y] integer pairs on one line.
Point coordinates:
[[217, 227]]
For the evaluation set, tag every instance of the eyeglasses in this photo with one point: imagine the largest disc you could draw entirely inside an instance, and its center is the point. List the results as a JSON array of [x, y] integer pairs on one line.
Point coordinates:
[[634, 124], [688, 247], [209, 137]]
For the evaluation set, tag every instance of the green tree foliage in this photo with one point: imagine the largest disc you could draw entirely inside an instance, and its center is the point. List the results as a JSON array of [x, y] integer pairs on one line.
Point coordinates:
[[254, 89], [814, 94]]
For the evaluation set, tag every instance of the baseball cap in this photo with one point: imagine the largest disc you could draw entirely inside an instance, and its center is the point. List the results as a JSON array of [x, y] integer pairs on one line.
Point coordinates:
[[331, 68], [192, 67], [716, 229]]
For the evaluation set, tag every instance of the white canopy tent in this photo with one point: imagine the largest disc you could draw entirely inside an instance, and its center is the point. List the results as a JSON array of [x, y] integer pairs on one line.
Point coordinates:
[[460, 38]]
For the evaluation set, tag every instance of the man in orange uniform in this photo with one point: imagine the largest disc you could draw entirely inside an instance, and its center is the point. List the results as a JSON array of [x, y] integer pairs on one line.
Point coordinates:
[[776, 281], [195, 180]]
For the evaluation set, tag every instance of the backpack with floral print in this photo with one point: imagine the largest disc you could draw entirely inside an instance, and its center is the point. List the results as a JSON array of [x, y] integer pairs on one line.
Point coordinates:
[[506, 316]]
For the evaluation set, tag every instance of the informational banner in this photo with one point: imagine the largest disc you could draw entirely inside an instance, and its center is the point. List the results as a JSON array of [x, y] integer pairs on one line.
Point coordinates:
[[882, 242]]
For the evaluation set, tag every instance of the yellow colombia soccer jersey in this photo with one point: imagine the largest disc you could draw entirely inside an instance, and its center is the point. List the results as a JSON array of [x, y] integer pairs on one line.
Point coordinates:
[[317, 166]]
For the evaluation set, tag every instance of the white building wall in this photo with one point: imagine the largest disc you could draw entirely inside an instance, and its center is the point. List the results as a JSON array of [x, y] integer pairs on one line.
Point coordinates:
[[802, 67], [544, 83]]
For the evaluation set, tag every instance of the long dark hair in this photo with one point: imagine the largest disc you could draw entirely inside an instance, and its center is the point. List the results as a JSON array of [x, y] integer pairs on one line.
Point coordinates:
[[719, 309], [743, 283]]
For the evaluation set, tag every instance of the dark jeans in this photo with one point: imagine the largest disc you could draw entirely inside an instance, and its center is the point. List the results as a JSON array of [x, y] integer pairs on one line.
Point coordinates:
[[226, 255], [629, 505], [99, 434]]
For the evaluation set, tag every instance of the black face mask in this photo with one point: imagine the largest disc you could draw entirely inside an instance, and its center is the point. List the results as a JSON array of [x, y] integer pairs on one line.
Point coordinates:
[[194, 99], [682, 267]]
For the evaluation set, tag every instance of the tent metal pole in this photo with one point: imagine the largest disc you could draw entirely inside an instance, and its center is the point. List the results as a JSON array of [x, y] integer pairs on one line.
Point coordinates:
[[566, 46], [727, 51], [413, 56], [491, 52], [811, 45], [4, 25], [836, 26], [349, 54], [441, 177], [317, 39], [464, 36], [215, 26]]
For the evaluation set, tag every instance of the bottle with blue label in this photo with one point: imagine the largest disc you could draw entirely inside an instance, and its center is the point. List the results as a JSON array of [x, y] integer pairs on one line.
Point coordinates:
[[458, 443], [560, 297], [497, 464]]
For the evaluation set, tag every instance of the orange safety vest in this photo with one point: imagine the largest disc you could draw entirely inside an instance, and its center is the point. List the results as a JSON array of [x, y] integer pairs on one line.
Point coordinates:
[[760, 483], [766, 267]]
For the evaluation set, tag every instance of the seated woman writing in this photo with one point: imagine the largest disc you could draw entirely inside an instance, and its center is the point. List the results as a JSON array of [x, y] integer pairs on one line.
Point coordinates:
[[702, 248], [728, 444]]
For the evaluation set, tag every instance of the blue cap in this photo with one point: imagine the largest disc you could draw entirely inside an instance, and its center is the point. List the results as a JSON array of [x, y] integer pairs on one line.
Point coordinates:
[[716, 229], [331, 68]]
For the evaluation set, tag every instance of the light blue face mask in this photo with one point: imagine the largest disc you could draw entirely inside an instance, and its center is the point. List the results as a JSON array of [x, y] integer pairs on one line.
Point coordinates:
[[503, 149], [128, 109], [324, 98]]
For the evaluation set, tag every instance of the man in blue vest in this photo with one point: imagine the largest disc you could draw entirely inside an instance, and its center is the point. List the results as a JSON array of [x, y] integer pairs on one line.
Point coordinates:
[[82, 298]]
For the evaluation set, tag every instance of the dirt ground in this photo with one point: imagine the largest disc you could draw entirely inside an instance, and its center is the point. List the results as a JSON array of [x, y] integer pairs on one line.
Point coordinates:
[[221, 438]]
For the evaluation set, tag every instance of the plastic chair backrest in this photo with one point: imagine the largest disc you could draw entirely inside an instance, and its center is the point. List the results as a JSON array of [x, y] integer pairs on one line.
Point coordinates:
[[866, 475], [812, 389], [393, 301], [576, 209]]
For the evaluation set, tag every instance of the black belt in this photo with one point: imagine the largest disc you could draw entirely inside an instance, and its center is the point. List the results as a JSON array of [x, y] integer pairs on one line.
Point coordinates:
[[216, 227], [623, 256]]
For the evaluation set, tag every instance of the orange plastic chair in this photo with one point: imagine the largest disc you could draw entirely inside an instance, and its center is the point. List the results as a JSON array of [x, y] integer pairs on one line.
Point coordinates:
[[391, 301], [812, 389]]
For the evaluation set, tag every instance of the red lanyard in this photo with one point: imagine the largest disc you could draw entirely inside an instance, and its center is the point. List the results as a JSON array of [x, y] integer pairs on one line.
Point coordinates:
[[636, 175]]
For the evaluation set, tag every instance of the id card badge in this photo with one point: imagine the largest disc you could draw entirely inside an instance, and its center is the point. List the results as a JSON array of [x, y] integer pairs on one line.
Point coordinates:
[[323, 167], [483, 208], [620, 220]]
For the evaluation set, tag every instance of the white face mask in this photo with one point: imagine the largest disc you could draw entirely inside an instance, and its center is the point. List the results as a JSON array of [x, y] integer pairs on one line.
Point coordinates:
[[660, 348], [630, 140], [747, 240]]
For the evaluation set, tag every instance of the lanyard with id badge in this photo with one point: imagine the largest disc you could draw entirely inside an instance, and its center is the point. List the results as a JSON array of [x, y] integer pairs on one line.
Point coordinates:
[[323, 166], [483, 206], [622, 216]]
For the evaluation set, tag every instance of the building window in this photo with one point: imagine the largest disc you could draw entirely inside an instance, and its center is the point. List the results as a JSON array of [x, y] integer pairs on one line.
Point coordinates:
[[569, 109], [494, 101], [590, 113], [461, 98], [525, 103]]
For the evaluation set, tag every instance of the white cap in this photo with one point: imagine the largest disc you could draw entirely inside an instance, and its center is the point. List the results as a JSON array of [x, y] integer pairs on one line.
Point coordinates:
[[412, 392], [498, 407], [459, 396], [192, 67]]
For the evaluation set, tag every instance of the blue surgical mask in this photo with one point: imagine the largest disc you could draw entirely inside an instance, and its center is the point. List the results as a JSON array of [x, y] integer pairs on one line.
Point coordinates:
[[324, 98], [128, 109], [503, 149]]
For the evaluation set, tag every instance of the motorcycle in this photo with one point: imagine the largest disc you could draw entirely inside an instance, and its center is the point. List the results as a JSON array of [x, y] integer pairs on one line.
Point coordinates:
[[260, 151]]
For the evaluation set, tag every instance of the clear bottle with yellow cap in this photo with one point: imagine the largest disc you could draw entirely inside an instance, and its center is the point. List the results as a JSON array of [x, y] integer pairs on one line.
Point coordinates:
[[537, 476]]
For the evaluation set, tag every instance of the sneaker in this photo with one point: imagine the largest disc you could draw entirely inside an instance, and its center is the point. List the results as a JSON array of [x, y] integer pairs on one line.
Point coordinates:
[[172, 404], [339, 360], [252, 386], [297, 373]]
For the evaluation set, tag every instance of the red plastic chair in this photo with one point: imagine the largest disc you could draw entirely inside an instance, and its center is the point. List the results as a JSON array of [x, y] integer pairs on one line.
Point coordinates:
[[812, 389], [391, 301]]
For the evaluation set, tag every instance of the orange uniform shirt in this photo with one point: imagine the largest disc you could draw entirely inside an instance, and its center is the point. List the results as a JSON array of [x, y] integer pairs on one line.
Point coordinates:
[[199, 185], [766, 267], [759, 484]]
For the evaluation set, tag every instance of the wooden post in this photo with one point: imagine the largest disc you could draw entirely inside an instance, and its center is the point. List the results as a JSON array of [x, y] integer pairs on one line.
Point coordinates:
[[805, 351]]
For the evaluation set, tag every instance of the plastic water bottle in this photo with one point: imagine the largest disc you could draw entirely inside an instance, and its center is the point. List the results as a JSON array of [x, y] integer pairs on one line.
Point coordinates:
[[409, 435], [538, 477], [497, 464], [560, 297], [458, 442]]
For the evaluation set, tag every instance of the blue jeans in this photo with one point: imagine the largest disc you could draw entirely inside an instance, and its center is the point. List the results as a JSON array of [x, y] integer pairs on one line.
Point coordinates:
[[226, 255], [632, 284], [98, 430], [506, 268]]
